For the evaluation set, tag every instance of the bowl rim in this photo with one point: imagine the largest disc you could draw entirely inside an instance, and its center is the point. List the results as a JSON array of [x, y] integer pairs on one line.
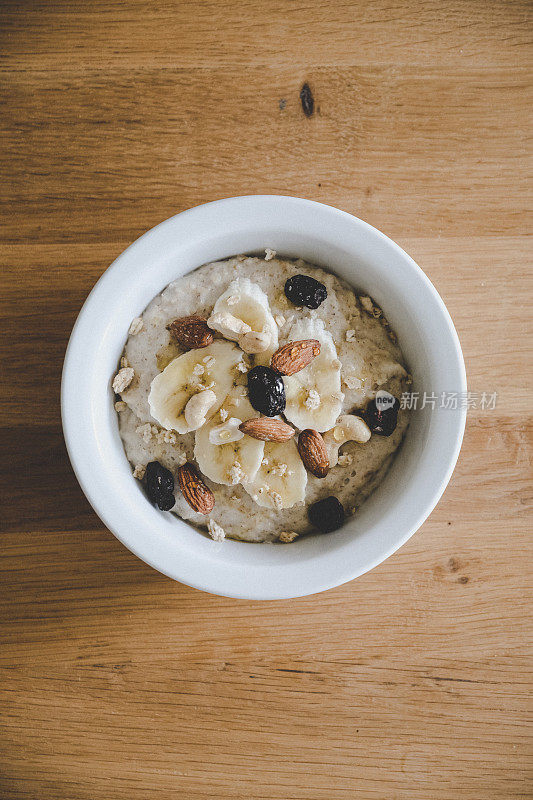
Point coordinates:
[[280, 589]]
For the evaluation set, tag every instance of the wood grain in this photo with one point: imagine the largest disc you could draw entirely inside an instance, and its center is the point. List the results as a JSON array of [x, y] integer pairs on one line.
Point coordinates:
[[381, 138], [411, 683]]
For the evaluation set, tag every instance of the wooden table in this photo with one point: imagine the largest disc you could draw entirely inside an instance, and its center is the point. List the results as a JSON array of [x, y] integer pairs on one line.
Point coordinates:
[[407, 684]]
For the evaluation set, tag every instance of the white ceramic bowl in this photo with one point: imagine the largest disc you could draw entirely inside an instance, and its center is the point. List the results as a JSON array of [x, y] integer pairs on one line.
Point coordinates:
[[295, 228]]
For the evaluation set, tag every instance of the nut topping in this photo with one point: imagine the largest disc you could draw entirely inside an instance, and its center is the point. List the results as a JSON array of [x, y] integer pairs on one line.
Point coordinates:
[[349, 428], [313, 453], [254, 341], [286, 537], [136, 326], [229, 326], [267, 429], [196, 493], [217, 533], [197, 408], [191, 332], [294, 356], [122, 379]]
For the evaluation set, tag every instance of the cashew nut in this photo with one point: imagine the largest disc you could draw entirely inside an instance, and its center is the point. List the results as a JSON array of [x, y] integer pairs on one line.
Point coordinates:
[[229, 326], [388, 370], [227, 432], [254, 341], [197, 408], [349, 428]]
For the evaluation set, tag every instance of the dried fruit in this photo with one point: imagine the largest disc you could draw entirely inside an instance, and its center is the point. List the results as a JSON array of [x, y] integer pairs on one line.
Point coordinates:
[[294, 356], [302, 290], [267, 429], [159, 485], [381, 414], [266, 391], [196, 493], [313, 453], [327, 515], [191, 332]]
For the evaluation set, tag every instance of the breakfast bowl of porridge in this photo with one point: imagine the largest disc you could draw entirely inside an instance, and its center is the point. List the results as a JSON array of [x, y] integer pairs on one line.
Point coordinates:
[[237, 397]]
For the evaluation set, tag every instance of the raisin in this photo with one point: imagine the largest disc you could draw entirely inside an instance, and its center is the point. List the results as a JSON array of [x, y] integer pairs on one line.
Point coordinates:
[[166, 502], [327, 515], [266, 391], [302, 290], [381, 414], [159, 485]]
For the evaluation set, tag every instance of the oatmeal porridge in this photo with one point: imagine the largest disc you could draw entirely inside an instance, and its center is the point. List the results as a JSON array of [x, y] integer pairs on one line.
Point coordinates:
[[258, 398]]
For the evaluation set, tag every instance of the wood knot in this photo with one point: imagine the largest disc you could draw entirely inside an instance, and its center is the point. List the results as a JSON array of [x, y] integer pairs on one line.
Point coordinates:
[[307, 100]]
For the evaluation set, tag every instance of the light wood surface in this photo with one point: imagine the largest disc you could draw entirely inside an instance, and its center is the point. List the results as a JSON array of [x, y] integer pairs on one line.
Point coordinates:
[[410, 683]]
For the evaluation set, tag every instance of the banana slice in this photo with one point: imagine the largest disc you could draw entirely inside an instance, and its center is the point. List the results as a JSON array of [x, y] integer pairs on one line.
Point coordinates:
[[237, 460], [281, 479], [242, 314], [314, 397], [209, 370]]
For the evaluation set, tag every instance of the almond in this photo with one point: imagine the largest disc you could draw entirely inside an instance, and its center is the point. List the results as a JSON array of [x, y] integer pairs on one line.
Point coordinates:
[[191, 332], [294, 356], [267, 429], [313, 453], [197, 494]]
